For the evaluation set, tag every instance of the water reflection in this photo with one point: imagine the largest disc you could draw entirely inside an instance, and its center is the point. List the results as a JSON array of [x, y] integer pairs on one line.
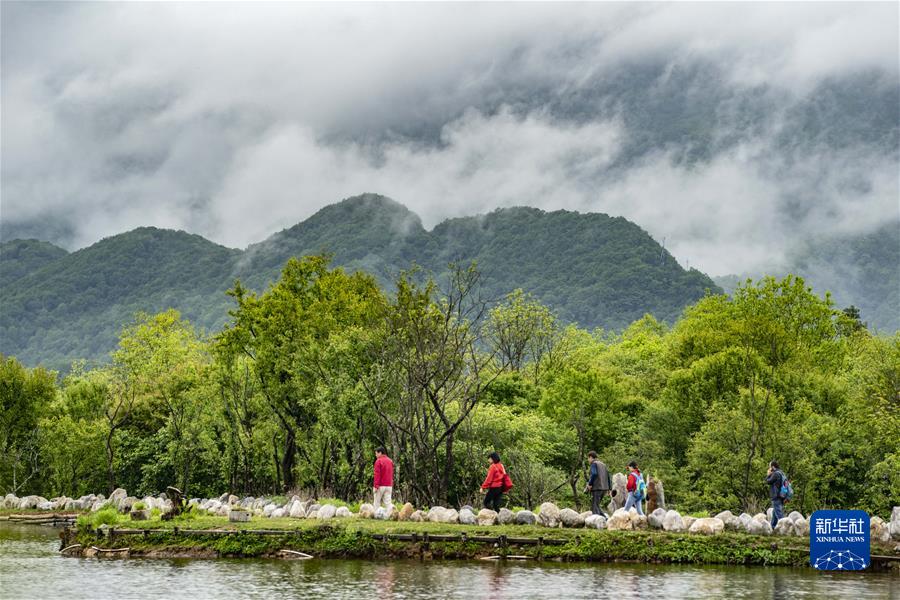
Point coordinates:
[[30, 567]]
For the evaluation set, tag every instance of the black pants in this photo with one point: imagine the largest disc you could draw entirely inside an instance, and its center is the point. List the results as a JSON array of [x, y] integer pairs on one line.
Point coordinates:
[[493, 499], [596, 499]]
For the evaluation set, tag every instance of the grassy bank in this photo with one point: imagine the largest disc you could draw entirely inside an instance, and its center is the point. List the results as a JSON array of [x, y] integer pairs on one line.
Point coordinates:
[[355, 538]]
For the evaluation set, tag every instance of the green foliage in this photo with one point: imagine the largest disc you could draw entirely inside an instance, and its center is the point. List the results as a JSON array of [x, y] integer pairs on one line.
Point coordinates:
[[313, 374], [591, 269], [25, 395], [108, 515]]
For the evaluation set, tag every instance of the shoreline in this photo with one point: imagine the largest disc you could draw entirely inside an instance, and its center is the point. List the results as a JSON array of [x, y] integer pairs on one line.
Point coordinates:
[[363, 540]]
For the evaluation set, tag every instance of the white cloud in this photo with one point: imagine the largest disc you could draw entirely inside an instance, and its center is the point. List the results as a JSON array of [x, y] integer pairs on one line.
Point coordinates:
[[234, 120]]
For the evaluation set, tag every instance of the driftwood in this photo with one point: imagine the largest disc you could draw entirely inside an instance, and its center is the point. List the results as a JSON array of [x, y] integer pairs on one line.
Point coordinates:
[[295, 554]]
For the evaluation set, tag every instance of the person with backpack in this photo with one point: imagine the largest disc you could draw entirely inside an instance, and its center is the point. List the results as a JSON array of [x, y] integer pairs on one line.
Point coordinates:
[[636, 487], [599, 482], [776, 480], [495, 484]]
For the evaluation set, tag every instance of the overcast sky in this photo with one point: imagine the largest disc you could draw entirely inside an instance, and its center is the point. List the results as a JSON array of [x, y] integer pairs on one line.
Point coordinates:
[[731, 130]]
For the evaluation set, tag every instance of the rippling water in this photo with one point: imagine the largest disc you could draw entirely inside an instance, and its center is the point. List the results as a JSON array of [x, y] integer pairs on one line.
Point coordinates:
[[31, 567]]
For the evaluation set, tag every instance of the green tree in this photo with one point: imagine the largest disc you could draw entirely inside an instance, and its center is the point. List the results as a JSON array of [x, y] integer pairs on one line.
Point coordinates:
[[25, 395], [285, 332]]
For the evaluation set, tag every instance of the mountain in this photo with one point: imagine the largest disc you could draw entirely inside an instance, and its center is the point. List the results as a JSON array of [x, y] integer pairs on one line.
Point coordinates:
[[861, 269], [21, 257], [73, 307], [592, 269]]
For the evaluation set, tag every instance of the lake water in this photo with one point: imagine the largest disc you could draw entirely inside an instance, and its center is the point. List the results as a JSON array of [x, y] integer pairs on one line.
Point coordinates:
[[31, 567]]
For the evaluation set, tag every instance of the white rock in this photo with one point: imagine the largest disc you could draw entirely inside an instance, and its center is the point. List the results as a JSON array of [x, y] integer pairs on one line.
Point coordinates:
[[759, 526], [467, 517], [276, 514], [672, 521], [801, 527], [655, 519], [327, 511], [117, 496], [417, 517], [618, 493], [637, 521], [879, 530], [525, 517], [785, 526], [570, 518], [549, 515], [343, 513], [486, 517], [268, 509], [450, 516], [732, 523], [506, 516], [707, 526], [795, 516], [688, 521], [435, 513], [895, 523], [366, 511], [297, 511], [619, 521], [595, 522]]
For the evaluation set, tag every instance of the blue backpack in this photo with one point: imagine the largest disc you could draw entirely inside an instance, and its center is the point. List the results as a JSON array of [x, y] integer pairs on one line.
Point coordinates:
[[640, 488], [787, 490]]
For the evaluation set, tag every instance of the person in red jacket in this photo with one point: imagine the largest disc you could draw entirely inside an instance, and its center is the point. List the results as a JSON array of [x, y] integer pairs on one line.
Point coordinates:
[[493, 483], [383, 485], [632, 486]]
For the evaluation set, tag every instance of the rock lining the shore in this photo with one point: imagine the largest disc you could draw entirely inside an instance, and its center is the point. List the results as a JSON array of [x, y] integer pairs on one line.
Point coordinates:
[[548, 515]]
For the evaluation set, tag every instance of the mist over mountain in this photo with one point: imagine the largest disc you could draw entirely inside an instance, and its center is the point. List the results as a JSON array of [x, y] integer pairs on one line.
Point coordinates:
[[592, 269], [734, 131]]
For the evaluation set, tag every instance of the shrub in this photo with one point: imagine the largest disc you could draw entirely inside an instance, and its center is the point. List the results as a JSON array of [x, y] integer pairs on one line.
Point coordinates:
[[108, 515]]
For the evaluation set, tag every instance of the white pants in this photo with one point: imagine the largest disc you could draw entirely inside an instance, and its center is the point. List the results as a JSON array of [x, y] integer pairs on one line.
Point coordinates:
[[383, 495]]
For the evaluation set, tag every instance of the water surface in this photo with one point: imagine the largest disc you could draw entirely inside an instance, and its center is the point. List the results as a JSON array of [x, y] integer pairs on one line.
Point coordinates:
[[31, 567]]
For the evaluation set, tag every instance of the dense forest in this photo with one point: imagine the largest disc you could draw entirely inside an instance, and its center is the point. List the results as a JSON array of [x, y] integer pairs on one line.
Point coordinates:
[[306, 378], [592, 269]]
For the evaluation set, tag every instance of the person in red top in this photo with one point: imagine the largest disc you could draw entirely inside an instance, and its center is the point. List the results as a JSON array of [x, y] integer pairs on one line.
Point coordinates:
[[383, 485], [631, 485], [493, 483]]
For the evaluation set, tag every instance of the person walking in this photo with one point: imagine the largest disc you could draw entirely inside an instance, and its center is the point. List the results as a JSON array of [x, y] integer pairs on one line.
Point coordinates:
[[635, 487], [383, 485], [599, 482], [494, 483], [775, 479]]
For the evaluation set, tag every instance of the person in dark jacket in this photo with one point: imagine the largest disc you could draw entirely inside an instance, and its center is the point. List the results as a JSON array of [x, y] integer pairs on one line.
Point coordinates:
[[599, 482], [493, 483], [775, 479]]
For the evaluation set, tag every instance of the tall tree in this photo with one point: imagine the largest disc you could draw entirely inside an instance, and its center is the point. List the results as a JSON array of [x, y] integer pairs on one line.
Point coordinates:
[[428, 372], [25, 394], [285, 331]]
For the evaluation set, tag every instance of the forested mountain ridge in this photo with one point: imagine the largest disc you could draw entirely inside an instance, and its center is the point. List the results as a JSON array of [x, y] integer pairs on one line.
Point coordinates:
[[21, 257], [590, 268]]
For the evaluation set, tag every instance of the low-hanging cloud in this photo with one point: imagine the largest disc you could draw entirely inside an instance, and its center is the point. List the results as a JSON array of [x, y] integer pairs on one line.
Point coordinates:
[[237, 120]]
